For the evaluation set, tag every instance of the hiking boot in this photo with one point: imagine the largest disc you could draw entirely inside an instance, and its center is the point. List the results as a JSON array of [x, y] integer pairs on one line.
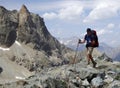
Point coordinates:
[[94, 64]]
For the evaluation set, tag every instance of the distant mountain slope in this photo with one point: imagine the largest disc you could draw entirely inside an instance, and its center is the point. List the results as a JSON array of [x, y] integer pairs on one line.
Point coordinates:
[[104, 48], [71, 42], [117, 56], [114, 53]]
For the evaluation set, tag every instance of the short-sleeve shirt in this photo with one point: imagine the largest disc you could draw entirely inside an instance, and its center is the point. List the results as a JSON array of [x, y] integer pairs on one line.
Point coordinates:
[[88, 38]]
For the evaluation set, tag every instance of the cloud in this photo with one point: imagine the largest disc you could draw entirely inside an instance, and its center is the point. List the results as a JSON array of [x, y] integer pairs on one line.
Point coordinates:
[[70, 13], [90, 11], [50, 15], [101, 32], [106, 30], [103, 10], [67, 13], [110, 26]]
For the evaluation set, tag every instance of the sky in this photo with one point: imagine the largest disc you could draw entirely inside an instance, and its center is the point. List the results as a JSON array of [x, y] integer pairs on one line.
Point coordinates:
[[71, 18]]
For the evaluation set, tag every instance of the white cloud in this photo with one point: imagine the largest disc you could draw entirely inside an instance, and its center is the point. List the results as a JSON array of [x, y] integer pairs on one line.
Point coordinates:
[[67, 13], [106, 29], [110, 26], [70, 13], [57, 31], [101, 32], [103, 10], [50, 15], [72, 10]]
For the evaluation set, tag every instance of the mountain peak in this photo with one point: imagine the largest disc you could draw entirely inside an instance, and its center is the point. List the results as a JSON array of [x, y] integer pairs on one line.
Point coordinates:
[[24, 9], [1, 7], [2, 10], [23, 15]]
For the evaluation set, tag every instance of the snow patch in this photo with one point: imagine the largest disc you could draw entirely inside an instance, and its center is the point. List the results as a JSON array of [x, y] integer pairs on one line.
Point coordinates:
[[116, 62], [61, 41], [17, 43], [17, 77], [4, 49]]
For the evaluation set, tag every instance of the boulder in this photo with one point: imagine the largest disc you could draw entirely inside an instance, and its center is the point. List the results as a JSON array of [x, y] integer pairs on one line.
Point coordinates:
[[97, 82], [115, 84]]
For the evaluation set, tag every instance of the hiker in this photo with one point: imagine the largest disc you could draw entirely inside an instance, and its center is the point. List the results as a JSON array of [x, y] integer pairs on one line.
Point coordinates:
[[91, 42]]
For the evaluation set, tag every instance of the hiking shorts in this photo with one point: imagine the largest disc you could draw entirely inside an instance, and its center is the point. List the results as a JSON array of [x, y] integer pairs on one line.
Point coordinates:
[[89, 50]]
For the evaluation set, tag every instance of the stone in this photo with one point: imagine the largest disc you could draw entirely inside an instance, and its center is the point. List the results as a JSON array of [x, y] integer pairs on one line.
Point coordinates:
[[105, 57], [115, 84], [85, 83], [97, 82], [108, 79]]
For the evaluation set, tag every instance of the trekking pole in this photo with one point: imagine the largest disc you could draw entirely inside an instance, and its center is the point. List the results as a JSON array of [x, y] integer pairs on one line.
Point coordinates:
[[74, 59]]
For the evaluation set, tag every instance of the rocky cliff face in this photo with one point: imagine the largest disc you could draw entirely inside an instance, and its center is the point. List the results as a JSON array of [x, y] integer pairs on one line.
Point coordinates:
[[8, 25], [30, 29]]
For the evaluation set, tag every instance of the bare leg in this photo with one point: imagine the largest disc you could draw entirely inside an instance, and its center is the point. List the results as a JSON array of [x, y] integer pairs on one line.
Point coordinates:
[[89, 56]]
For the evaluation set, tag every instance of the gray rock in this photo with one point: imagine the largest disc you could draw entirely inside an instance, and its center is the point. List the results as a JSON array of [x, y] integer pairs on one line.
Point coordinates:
[[77, 82], [97, 82], [115, 84], [105, 57], [108, 79], [85, 83], [8, 26], [87, 73]]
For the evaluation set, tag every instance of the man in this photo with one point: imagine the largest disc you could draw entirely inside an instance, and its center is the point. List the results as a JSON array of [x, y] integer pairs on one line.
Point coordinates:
[[90, 39]]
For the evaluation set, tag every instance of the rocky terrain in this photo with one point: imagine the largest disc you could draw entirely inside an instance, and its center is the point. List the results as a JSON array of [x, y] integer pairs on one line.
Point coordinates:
[[79, 75], [30, 57]]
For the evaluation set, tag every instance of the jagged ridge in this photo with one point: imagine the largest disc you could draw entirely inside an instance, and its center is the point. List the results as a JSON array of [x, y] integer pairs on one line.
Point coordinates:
[[31, 30]]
